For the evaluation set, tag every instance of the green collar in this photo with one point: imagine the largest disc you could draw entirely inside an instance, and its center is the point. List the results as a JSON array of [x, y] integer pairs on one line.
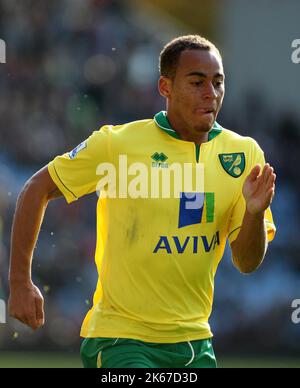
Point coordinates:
[[162, 121]]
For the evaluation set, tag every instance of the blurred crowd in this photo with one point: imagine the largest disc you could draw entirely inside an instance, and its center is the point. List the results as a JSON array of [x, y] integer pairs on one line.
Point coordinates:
[[73, 66]]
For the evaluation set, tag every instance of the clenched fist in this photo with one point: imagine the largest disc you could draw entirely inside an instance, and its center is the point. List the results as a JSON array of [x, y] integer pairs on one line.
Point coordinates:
[[26, 304]]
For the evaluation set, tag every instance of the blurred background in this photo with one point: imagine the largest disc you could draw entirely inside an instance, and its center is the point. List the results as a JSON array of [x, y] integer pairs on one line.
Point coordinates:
[[74, 65]]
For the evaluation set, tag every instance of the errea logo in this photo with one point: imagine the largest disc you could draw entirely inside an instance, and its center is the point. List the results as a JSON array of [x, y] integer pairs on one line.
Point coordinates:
[[159, 160], [2, 51]]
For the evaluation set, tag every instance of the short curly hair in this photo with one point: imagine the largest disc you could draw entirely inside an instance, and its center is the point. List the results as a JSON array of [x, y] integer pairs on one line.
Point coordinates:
[[171, 52]]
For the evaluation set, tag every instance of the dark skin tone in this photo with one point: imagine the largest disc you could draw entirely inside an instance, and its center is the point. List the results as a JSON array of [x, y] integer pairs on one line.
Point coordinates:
[[26, 302], [195, 94], [194, 97]]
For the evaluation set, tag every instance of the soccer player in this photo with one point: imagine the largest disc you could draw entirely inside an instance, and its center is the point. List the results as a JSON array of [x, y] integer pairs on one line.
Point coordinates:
[[156, 256]]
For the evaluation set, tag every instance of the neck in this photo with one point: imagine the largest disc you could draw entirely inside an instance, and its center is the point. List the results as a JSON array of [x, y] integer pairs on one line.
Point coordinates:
[[185, 132], [190, 134]]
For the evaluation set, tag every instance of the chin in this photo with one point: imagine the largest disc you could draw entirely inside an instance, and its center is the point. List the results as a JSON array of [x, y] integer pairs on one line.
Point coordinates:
[[204, 127], [204, 124]]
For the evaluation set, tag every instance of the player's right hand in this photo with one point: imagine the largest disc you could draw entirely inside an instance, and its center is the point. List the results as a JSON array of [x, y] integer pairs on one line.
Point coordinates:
[[26, 304]]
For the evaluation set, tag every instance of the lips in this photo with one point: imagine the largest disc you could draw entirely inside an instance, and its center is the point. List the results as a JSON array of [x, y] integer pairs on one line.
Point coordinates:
[[206, 110]]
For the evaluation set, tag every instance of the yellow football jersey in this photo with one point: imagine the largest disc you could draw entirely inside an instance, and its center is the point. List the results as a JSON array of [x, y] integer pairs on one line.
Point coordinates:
[[157, 256]]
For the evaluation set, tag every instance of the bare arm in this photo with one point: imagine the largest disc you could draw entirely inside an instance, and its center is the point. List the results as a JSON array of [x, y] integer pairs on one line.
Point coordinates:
[[26, 301], [249, 248]]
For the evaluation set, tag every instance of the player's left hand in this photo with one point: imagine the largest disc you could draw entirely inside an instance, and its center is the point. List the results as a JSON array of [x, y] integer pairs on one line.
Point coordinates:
[[259, 189]]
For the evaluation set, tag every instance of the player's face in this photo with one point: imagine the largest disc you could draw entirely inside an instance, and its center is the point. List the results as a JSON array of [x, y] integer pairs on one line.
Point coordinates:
[[196, 93]]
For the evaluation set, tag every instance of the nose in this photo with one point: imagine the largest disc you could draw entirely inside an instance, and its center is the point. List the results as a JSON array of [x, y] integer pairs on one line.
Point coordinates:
[[209, 91]]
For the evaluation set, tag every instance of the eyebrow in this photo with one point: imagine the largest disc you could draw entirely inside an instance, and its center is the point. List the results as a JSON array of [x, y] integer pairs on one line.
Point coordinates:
[[199, 74]]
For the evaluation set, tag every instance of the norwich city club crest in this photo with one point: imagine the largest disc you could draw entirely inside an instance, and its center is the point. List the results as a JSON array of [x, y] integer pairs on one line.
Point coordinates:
[[233, 164]]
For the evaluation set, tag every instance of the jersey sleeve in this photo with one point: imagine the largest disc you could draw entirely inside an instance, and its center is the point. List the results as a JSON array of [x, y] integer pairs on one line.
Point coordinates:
[[74, 172], [239, 208]]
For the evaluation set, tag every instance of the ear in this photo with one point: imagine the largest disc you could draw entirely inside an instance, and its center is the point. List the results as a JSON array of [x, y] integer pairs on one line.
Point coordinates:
[[165, 86]]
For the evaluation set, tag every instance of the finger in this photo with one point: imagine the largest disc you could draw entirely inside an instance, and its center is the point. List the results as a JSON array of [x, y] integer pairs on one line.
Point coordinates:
[[24, 319], [265, 171], [27, 322], [271, 181], [270, 195], [268, 173], [31, 318], [39, 307], [269, 178], [21, 317], [254, 172], [16, 315]]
